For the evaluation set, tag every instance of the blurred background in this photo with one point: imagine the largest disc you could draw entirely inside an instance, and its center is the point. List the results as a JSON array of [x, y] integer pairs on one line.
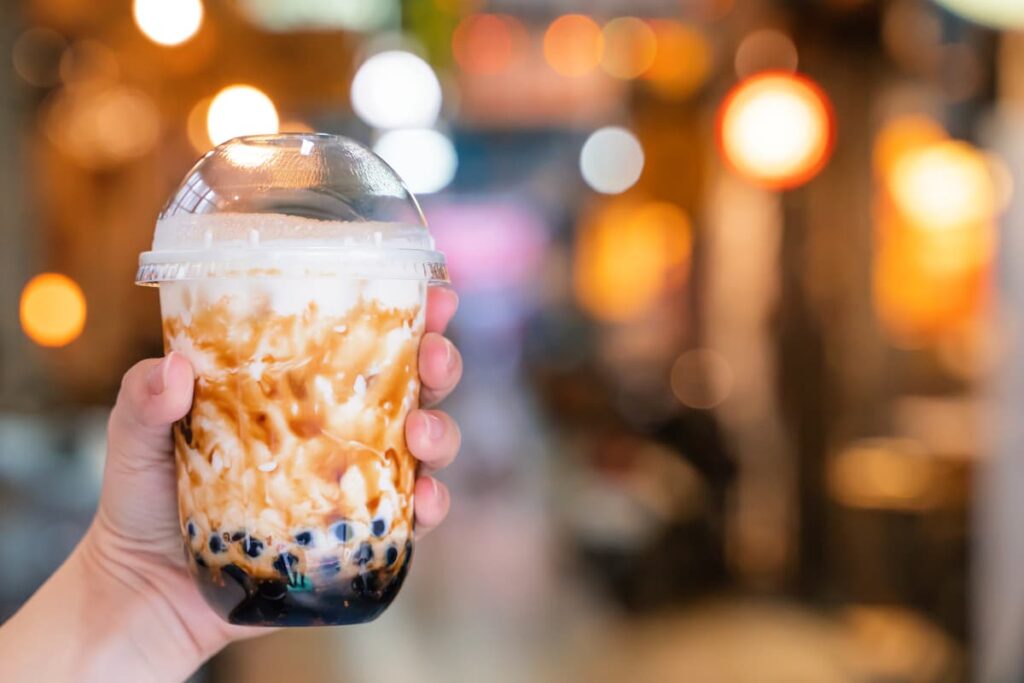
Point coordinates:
[[739, 314]]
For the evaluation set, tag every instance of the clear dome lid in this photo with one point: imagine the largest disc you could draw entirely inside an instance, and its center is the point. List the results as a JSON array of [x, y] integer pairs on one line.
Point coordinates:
[[291, 204]]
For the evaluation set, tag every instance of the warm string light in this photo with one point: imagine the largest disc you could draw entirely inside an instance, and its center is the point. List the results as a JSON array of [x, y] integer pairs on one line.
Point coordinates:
[[52, 310], [682, 59], [168, 22], [936, 231], [240, 110], [488, 44], [776, 129], [628, 255], [573, 45], [630, 47]]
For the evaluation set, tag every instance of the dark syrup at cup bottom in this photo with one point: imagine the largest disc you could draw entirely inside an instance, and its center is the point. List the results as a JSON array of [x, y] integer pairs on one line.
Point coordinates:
[[247, 601]]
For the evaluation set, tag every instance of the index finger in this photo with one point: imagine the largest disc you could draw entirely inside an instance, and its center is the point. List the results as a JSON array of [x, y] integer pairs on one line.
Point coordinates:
[[442, 302]]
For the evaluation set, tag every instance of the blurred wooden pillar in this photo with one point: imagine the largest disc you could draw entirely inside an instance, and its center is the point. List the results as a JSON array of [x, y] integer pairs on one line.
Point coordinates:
[[832, 378], [18, 364]]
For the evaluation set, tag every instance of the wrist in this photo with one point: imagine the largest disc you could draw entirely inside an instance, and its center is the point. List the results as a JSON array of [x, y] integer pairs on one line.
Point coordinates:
[[153, 622]]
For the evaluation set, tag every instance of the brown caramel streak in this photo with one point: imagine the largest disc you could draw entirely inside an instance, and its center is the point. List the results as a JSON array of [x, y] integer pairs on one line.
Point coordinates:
[[279, 415]]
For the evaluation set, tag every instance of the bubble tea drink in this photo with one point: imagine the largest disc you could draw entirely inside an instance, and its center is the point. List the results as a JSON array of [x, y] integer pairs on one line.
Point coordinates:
[[293, 272]]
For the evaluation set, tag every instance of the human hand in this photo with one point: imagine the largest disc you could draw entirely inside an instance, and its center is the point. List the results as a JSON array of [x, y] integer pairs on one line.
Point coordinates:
[[132, 558]]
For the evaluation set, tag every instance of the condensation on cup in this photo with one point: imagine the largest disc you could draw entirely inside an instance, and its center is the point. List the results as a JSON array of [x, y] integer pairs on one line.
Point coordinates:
[[293, 272]]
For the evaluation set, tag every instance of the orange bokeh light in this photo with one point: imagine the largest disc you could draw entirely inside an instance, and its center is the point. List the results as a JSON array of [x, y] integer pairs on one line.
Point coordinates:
[[902, 136], [52, 309], [488, 43], [628, 255], [630, 47], [682, 59], [573, 45], [776, 129], [943, 185]]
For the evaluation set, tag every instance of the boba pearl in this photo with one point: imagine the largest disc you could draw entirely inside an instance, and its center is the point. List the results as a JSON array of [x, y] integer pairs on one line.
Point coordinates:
[[342, 531], [216, 544], [379, 527], [304, 538], [285, 564], [252, 546], [392, 555], [364, 554], [191, 528]]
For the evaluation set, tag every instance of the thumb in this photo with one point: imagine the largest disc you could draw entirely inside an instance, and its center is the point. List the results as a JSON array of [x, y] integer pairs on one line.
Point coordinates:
[[154, 394]]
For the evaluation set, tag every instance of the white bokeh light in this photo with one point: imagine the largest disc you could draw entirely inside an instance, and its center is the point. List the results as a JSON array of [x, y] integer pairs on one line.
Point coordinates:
[[396, 89], [424, 158], [1006, 14], [611, 160], [168, 22], [240, 110]]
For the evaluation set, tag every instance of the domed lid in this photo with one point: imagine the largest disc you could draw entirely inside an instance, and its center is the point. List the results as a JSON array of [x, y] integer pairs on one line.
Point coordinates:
[[291, 204]]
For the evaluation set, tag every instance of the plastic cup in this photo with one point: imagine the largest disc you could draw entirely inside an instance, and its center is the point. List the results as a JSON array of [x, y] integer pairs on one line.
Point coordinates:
[[293, 272]]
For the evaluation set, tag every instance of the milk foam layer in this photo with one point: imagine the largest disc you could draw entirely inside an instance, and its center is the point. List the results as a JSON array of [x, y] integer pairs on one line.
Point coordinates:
[[293, 457], [279, 231]]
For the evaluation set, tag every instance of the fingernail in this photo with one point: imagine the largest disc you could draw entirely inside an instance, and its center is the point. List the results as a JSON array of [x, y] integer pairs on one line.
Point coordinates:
[[449, 355], [435, 428], [156, 380], [436, 489]]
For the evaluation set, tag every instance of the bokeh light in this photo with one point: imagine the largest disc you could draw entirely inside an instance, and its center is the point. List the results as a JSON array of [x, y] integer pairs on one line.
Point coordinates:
[[425, 159], [611, 160], [36, 56], [352, 15], [488, 43], [628, 254], [396, 89], [682, 60], [168, 22], [573, 45], [901, 136], [195, 126], [630, 47], [775, 129], [701, 378], [101, 126], [885, 474], [52, 309], [88, 61], [1007, 14], [765, 50], [240, 110], [944, 185]]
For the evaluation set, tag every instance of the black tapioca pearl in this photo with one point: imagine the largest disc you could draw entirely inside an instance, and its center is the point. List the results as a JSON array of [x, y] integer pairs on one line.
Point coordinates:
[[238, 535], [330, 567], [364, 554], [304, 538], [391, 555], [379, 527], [365, 583], [272, 590], [342, 531], [199, 560], [252, 547], [190, 527], [217, 544], [286, 564]]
